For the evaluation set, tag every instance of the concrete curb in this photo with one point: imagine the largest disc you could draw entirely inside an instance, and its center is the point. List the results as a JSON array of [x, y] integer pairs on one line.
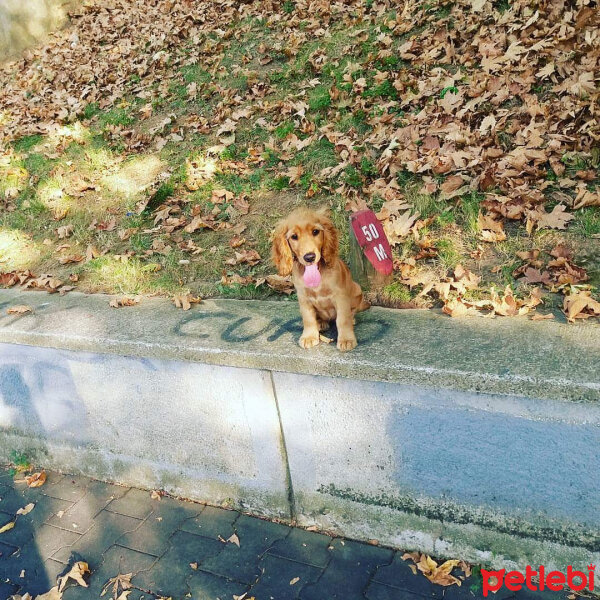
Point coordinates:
[[507, 356], [476, 439]]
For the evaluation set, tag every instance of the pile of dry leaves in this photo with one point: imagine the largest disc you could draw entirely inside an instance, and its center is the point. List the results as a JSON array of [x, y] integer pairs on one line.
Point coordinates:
[[440, 574], [468, 97]]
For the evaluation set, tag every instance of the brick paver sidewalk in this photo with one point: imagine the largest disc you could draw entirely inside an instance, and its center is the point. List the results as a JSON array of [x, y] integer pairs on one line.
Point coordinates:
[[177, 549]]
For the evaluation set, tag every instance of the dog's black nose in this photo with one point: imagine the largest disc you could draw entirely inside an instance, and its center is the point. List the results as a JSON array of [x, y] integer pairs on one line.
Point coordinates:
[[310, 257]]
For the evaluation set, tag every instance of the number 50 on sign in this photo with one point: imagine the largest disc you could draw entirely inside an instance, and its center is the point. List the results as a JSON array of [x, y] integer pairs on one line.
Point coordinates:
[[373, 241]]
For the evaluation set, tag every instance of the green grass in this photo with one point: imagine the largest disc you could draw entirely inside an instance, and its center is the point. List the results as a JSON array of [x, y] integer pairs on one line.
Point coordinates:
[[116, 116], [91, 110], [195, 74], [38, 165], [20, 462], [319, 99], [25, 144], [245, 292], [397, 292], [283, 130], [318, 155], [468, 211], [587, 221], [449, 254]]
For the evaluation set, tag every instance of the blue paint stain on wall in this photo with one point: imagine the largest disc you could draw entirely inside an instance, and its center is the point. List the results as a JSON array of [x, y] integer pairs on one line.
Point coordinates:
[[38, 394], [556, 467]]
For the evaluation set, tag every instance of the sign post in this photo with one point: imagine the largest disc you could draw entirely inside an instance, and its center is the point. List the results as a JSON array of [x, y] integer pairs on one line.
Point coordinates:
[[370, 253]]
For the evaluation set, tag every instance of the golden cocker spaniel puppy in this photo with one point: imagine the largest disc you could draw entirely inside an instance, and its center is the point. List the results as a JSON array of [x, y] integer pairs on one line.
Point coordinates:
[[305, 244]]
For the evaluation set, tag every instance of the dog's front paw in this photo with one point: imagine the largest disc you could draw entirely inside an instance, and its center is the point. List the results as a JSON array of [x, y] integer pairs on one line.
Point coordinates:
[[309, 341], [346, 344]]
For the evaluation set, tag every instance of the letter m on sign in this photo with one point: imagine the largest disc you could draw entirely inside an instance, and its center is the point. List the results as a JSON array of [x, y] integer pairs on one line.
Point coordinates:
[[380, 252], [370, 236]]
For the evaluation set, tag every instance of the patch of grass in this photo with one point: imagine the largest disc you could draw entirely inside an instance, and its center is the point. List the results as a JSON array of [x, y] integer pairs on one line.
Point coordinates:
[[426, 204], [166, 190], [252, 135], [245, 292], [283, 130], [448, 253], [25, 144], [352, 177], [407, 179], [116, 116], [397, 292], [574, 161], [271, 157], [501, 5], [356, 120], [586, 221], [232, 181], [317, 156], [445, 218], [20, 462], [131, 276], [278, 183], [195, 74], [91, 110], [319, 99], [38, 165], [384, 90], [367, 167], [468, 211], [505, 140]]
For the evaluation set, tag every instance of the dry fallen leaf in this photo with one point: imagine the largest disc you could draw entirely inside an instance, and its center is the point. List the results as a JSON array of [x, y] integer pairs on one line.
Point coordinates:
[[397, 229], [77, 571], [64, 231], [36, 479], [7, 527], [491, 229], [455, 307], [185, 301], [124, 301], [580, 305], [26, 509], [540, 317], [438, 574], [234, 539], [250, 257], [52, 594], [19, 309], [557, 219], [119, 583], [295, 580], [280, 283]]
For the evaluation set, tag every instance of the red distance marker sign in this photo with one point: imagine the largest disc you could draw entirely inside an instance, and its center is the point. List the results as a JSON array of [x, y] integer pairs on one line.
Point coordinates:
[[373, 241]]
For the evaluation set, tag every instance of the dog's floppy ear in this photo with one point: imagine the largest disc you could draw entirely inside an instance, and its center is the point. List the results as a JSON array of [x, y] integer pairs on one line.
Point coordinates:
[[282, 253], [329, 251]]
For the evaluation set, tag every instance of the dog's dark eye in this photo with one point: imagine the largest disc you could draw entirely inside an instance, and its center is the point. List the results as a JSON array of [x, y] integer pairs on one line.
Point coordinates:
[[294, 236], [316, 231]]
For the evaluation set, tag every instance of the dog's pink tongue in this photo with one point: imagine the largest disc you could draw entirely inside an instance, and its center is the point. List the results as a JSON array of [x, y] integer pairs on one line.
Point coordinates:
[[312, 277]]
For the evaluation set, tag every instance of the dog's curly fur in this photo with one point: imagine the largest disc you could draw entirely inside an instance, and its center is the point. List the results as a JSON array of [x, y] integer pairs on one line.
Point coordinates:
[[337, 297]]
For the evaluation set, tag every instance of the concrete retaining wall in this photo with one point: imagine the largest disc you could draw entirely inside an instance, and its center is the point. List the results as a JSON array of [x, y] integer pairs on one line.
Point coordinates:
[[488, 452]]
